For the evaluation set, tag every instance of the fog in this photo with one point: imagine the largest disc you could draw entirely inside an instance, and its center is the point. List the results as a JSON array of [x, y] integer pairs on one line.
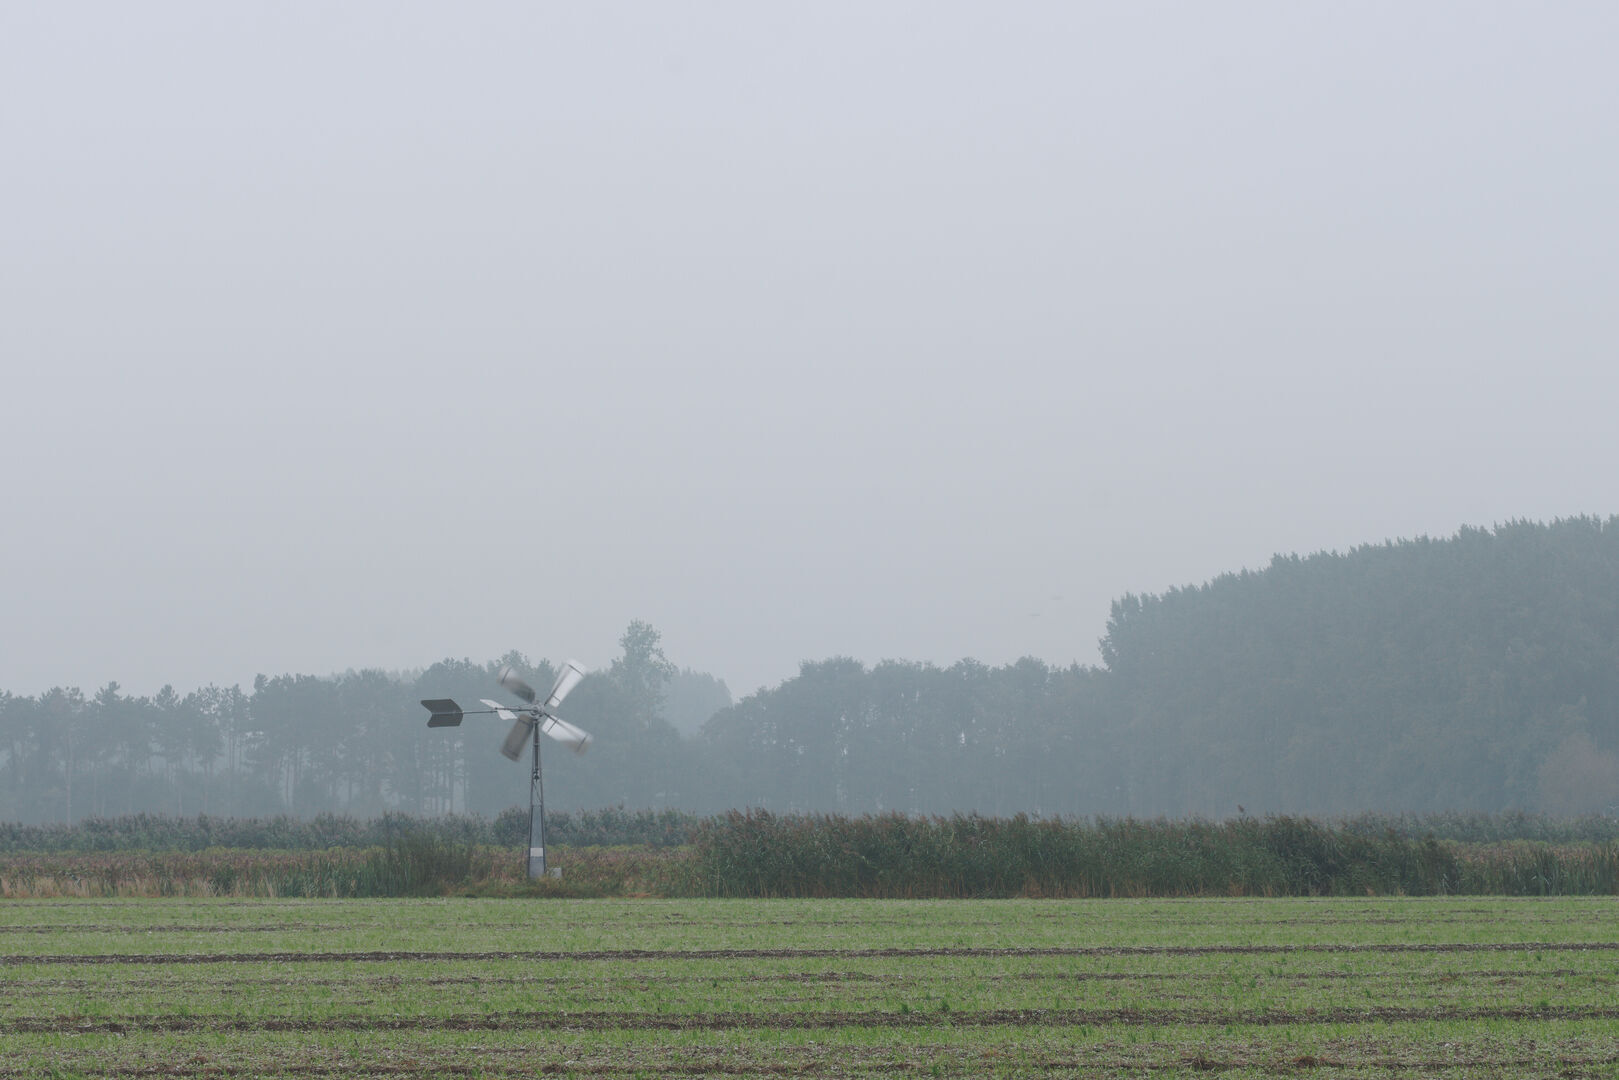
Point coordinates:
[[367, 335]]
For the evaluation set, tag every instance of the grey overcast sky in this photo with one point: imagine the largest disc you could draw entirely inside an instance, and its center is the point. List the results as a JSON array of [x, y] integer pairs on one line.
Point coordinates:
[[366, 334]]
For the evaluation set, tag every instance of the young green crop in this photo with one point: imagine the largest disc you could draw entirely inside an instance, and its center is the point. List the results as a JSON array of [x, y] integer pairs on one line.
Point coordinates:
[[507, 987]]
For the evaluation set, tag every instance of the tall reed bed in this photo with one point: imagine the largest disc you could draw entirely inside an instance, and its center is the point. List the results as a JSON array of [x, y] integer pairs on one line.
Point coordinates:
[[1527, 868], [156, 832], [616, 826], [1480, 828], [335, 873], [415, 866], [761, 854]]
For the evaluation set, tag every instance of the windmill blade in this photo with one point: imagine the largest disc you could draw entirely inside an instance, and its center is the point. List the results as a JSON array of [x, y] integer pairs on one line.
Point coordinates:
[[499, 710], [509, 678], [517, 738], [446, 713], [563, 732], [569, 678]]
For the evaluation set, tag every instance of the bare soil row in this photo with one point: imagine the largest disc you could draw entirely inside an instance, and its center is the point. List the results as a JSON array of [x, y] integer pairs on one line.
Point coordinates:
[[1573, 1068], [177, 928], [129, 985], [1516, 1058], [390, 956], [638, 1021]]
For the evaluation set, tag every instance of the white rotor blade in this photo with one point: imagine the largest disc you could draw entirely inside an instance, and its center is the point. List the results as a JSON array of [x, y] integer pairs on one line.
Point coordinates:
[[500, 710], [517, 738], [509, 678], [569, 678], [565, 733]]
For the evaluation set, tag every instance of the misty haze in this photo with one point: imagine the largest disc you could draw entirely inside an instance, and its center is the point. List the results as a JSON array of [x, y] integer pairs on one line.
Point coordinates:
[[1063, 409]]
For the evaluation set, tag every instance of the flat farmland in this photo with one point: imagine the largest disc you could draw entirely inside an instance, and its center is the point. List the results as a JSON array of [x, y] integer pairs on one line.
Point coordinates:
[[472, 987]]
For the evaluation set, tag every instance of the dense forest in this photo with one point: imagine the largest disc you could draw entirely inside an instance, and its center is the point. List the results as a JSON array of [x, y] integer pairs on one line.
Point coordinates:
[[1475, 673]]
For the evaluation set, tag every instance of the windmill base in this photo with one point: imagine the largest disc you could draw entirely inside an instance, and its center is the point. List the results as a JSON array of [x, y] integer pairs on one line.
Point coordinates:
[[537, 868]]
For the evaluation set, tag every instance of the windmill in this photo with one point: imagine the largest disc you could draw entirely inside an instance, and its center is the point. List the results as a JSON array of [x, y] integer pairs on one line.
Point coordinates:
[[528, 721]]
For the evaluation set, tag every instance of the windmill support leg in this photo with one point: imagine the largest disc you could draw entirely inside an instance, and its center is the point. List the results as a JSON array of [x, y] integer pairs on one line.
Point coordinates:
[[536, 816]]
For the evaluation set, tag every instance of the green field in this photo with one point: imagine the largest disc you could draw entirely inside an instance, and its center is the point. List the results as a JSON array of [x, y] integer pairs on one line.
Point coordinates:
[[403, 988]]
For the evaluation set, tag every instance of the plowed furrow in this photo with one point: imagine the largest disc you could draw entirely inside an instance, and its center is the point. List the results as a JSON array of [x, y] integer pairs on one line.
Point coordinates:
[[600, 1021], [390, 957]]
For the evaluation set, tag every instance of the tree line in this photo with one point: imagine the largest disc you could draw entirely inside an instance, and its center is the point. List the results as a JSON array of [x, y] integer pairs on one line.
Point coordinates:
[[1478, 672]]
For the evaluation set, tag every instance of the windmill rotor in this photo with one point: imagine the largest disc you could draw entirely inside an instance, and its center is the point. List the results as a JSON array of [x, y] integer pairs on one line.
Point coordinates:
[[565, 733], [509, 678], [499, 710], [524, 720], [517, 738], [567, 679]]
